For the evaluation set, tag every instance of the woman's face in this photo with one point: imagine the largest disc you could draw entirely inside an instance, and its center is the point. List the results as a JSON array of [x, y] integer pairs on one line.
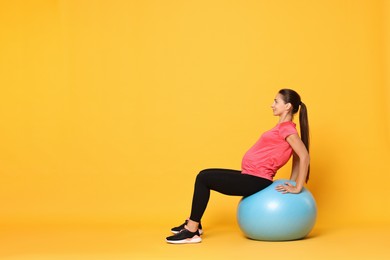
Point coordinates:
[[279, 106]]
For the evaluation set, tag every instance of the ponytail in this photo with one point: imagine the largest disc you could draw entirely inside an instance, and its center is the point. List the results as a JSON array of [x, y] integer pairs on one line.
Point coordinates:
[[304, 126]]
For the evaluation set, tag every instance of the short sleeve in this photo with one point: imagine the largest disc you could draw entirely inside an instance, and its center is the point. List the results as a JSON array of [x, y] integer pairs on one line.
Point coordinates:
[[287, 129]]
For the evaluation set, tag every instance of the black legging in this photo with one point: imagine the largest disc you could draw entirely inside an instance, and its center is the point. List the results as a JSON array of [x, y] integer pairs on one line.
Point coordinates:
[[229, 182]]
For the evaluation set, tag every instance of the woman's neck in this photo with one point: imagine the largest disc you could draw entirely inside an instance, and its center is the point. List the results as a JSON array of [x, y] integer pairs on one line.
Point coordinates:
[[285, 118]]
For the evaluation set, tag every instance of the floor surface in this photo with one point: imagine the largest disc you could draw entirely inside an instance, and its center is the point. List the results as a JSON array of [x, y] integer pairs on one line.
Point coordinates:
[[219, 242]]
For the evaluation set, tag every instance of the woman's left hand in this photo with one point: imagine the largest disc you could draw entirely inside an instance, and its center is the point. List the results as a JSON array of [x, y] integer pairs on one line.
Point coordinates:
[[287, 188]]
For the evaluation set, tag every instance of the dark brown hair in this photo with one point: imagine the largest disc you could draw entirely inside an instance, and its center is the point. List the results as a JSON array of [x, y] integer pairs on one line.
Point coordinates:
[[292, 97]]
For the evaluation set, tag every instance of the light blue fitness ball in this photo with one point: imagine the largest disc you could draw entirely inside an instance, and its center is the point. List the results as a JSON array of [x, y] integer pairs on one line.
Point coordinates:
[[273, 216]]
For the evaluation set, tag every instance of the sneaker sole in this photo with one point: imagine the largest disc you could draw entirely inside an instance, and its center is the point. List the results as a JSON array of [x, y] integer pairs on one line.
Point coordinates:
[[175, 232], [185, 241]]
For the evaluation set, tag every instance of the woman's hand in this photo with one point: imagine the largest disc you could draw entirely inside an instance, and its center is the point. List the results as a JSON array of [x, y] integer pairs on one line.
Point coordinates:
[[288, 188]]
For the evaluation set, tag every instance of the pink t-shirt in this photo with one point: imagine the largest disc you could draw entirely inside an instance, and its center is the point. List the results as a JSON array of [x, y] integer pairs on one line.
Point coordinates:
[[270, 152]]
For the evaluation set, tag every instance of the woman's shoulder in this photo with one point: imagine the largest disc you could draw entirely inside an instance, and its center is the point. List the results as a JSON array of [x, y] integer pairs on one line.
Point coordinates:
[[287, 124], [287, 128]]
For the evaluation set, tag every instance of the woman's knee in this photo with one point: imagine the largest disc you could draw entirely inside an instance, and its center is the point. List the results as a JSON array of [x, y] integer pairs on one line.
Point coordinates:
[[203, 175]]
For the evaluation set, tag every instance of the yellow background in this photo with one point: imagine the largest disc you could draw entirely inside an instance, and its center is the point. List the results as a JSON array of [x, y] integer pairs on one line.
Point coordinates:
[[109, 109]]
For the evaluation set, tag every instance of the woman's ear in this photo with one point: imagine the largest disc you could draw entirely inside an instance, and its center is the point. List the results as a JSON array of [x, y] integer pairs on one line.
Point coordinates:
[[288, 106]]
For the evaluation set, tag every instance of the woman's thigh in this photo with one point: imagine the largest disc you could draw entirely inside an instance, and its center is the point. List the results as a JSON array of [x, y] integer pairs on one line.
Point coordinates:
[[232, 182]]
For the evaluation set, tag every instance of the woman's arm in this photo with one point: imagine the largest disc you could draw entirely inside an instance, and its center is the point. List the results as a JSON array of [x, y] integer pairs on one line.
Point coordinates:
[[295, 167], [300, 166]]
